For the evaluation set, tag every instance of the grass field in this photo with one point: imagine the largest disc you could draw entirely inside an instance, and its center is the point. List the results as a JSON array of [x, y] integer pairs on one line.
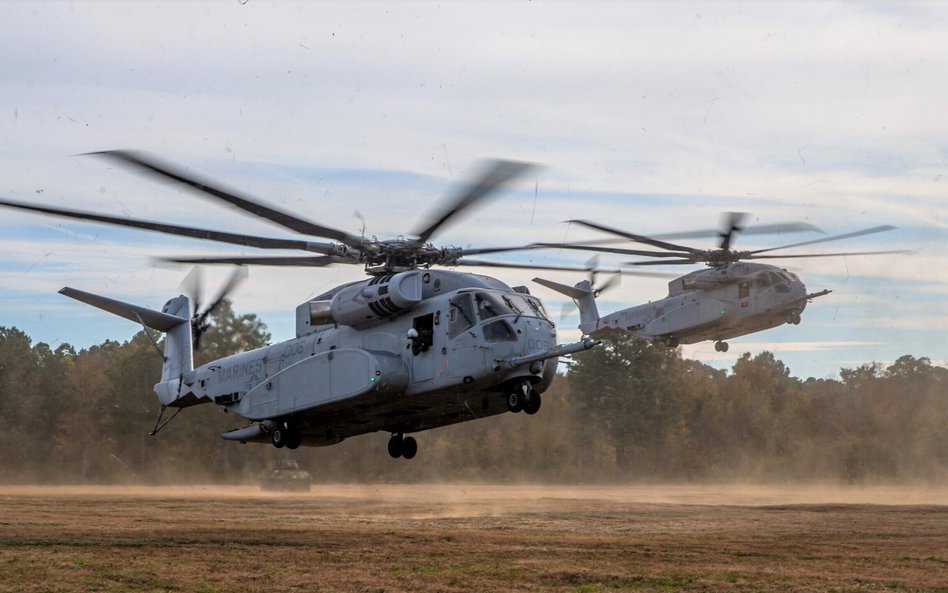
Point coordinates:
[[473, 538]]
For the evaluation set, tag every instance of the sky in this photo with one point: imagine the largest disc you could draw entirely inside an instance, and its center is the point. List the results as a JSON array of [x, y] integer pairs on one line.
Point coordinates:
[[650, 117]]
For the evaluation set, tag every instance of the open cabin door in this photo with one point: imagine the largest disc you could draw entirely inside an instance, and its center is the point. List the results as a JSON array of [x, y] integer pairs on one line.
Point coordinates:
[[424, 349]]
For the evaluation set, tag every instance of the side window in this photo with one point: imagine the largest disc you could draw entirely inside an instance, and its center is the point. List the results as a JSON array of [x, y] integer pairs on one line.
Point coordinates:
[[743, 290], [499, 331], [460, 314]]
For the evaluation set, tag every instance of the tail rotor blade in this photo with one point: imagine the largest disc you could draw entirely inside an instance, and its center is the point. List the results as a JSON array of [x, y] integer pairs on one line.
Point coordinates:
[[192, 286], [612, 281], [200, 323], [233, 281]]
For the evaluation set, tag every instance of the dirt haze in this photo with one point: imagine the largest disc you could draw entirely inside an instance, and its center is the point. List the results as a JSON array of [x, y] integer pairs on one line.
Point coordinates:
[[707, 494], [472, 537]]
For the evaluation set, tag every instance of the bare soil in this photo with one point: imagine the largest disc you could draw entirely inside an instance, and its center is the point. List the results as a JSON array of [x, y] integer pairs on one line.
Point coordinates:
[[464, 537]]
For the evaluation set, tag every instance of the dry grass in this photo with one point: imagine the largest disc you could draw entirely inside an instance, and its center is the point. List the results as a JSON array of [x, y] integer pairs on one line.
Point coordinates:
[[473, 538]]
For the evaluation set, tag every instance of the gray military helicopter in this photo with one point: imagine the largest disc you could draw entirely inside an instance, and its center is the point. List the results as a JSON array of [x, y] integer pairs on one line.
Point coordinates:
[[731, 298], [408, 349]]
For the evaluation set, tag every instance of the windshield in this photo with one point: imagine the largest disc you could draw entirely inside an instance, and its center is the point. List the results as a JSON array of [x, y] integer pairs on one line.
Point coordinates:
[[525, 305], [489, 306]]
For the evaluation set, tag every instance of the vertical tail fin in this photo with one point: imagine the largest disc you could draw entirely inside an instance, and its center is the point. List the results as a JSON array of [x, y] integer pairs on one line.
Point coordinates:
[[584, 296], [179, 353], [174, 319]]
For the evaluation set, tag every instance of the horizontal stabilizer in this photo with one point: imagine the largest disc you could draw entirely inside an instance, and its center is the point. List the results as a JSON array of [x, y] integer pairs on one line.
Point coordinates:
[[574, 292], [153, 319]]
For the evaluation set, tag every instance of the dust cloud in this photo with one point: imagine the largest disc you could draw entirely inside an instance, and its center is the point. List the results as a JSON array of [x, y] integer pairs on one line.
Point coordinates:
[[469, 498]]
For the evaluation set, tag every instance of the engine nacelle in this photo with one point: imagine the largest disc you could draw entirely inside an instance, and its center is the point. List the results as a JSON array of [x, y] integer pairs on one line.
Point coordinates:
[[364, 304], [383, 297]]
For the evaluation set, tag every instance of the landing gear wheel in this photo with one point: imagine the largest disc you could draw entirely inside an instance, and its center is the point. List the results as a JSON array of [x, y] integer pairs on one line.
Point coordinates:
[[533, 404], [294, 439], [409, 447], [721, 346], [671, 342], [517, 399], [279, 437], [795, 319], [395, 446]]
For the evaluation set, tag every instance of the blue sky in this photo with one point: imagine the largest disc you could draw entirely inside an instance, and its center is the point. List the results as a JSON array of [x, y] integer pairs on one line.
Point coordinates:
[[652, 117]]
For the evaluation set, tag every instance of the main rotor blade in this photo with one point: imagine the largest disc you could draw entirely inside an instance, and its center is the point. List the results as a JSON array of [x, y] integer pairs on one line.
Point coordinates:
[[490, 264], [667, 262], [182, 231], [636, 238], [761, 229], [152, 165], [782, 227], [495, 175], [312, 262], [483, 250], [869, 231], [733, 222], [603, 249], [799, 255]]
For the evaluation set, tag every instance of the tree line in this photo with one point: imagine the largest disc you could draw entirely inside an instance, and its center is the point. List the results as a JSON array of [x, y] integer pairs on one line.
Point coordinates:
[[627, 410]]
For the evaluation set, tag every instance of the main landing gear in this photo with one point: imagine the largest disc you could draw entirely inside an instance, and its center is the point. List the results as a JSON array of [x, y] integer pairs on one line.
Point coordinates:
[[401, 446], [286, 434], [525, 398], [721, 346]]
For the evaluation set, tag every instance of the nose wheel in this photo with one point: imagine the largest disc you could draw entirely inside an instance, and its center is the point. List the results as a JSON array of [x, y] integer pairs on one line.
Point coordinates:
[[401, 446], [721, 346], [524, 398]]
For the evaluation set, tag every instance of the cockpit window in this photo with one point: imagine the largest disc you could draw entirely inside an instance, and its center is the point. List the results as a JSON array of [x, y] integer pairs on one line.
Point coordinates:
[[537, 307], [518, 310], [762, 281], [460, 314], [499, 331], [780, 282], [489, 306]]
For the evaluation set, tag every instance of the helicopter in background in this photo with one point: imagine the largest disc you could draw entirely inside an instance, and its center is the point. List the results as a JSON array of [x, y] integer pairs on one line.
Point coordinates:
[[408, 349], [731, 298]]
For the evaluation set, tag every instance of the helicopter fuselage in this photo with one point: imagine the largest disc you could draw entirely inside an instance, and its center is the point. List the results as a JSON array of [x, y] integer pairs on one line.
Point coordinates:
[[400, 353], [715, 304]]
